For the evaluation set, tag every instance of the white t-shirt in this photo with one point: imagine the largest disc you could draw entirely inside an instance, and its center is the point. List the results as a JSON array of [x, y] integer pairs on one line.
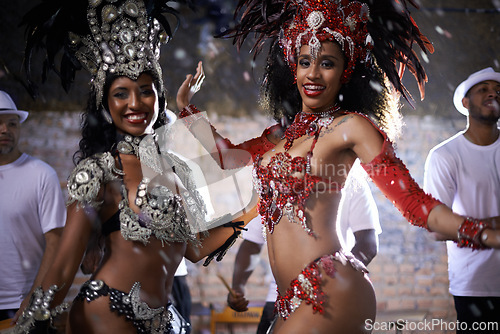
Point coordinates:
[[182, 268], [466, 177], [31, 204], [358, 212], [255, 234]]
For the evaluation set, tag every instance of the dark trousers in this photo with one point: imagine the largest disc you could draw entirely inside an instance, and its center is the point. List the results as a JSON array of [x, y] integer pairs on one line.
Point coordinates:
[[182, 297], [266, 318], [7, 314], [481, 314]]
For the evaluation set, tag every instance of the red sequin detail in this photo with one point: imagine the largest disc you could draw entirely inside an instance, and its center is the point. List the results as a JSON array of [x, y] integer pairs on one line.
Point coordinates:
[[280, 189], [258, 146], [304, 123], [190, 114], [328, 265], [392, 177], [306, 287], [344, 22], [234, 159], [280, 192], [188, 110], [469, 233]]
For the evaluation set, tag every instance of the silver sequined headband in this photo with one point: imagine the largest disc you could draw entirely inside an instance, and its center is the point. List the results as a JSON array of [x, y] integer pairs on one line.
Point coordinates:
[[122, 41]]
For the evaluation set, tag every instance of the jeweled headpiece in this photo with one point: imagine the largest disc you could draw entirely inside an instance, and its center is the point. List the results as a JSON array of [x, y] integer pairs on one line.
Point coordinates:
[[368, 31], [122, 41], [119, 37], [340, 21]]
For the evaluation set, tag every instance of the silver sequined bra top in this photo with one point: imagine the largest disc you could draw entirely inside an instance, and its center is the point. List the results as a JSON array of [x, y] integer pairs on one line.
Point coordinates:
[[163, 214]]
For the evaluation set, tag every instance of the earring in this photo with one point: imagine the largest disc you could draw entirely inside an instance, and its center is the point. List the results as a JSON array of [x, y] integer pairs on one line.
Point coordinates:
[[106, 115]]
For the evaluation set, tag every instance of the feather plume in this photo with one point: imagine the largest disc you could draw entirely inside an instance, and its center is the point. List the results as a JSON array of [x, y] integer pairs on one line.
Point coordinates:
[[262, 18], [395, 33], [48, 28], [391, 27]]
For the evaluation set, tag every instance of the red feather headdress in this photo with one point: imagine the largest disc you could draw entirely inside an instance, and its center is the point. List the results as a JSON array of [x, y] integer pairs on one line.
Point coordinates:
[[375, 30]]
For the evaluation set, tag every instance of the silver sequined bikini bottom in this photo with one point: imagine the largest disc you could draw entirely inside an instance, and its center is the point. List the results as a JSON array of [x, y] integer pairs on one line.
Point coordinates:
[[144, 318]]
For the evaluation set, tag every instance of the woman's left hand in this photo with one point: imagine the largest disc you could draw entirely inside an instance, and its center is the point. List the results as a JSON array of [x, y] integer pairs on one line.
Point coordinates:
[[189, 87]]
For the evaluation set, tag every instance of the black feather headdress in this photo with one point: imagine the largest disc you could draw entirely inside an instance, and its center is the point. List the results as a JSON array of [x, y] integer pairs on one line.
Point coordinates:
[[103, 36], [374, 30], [395, 33]]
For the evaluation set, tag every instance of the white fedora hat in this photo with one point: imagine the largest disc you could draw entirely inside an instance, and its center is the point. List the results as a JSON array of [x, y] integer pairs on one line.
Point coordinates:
[[7, 106], [474, 78]]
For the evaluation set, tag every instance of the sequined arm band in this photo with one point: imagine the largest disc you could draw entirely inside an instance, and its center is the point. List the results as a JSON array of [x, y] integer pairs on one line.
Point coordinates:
[[219, 253], [189, 110], [84, 182], [37, 317], [392, 177], [190, 114], [469, 233]]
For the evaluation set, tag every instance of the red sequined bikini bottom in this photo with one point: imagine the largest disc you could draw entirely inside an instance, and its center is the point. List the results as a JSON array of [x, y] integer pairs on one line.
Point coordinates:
[[307, 286]]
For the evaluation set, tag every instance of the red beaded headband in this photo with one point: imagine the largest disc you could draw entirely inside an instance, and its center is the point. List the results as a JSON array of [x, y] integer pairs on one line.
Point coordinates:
[[340, 21]]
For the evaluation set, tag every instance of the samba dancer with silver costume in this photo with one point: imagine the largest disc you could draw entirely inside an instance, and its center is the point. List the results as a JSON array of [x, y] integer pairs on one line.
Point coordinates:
[[134, 211]]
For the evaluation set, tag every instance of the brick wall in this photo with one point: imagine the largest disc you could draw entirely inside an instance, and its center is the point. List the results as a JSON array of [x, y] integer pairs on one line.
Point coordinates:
[[410, 271]]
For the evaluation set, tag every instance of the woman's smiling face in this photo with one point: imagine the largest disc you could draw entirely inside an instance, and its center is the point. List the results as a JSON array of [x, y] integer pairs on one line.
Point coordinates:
[[133, 104], [318, 80]]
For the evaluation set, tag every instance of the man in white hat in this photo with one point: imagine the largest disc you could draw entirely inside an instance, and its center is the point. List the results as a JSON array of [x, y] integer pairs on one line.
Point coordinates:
[[32, 213], [464, 173]]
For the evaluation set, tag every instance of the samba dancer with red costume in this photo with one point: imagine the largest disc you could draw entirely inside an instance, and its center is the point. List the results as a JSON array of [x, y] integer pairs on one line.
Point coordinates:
[[340, 81]]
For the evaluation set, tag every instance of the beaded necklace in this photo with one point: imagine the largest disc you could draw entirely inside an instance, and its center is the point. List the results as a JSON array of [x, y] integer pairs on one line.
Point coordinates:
[[129, 145], [162, 212], [308, 123], [145, 148], [279, 190]]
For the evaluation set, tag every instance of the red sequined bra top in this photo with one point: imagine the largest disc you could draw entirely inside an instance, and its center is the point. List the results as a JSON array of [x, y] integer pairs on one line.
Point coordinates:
[[282, 193]]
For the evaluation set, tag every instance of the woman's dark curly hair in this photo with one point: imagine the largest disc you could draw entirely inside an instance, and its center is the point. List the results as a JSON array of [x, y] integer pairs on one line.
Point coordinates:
[[97, 134], [368, 92]]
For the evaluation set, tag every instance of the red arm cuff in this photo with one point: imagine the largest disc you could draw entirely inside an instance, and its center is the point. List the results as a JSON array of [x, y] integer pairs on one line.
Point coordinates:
[[469, 233], [392, 177]]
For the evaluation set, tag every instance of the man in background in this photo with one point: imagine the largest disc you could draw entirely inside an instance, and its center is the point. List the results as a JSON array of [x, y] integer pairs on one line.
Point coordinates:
[[32, 215], [464, 173]]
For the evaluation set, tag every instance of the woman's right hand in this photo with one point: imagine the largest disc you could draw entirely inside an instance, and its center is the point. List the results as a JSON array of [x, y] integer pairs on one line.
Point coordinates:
[[189, 87]]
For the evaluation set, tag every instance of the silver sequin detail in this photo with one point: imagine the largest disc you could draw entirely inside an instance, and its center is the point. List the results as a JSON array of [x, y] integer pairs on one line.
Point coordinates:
[[38, 310], [85, 181], [123, 40]]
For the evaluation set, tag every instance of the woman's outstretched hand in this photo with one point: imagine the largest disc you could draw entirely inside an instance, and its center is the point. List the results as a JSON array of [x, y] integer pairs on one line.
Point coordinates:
[[189, 87]]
